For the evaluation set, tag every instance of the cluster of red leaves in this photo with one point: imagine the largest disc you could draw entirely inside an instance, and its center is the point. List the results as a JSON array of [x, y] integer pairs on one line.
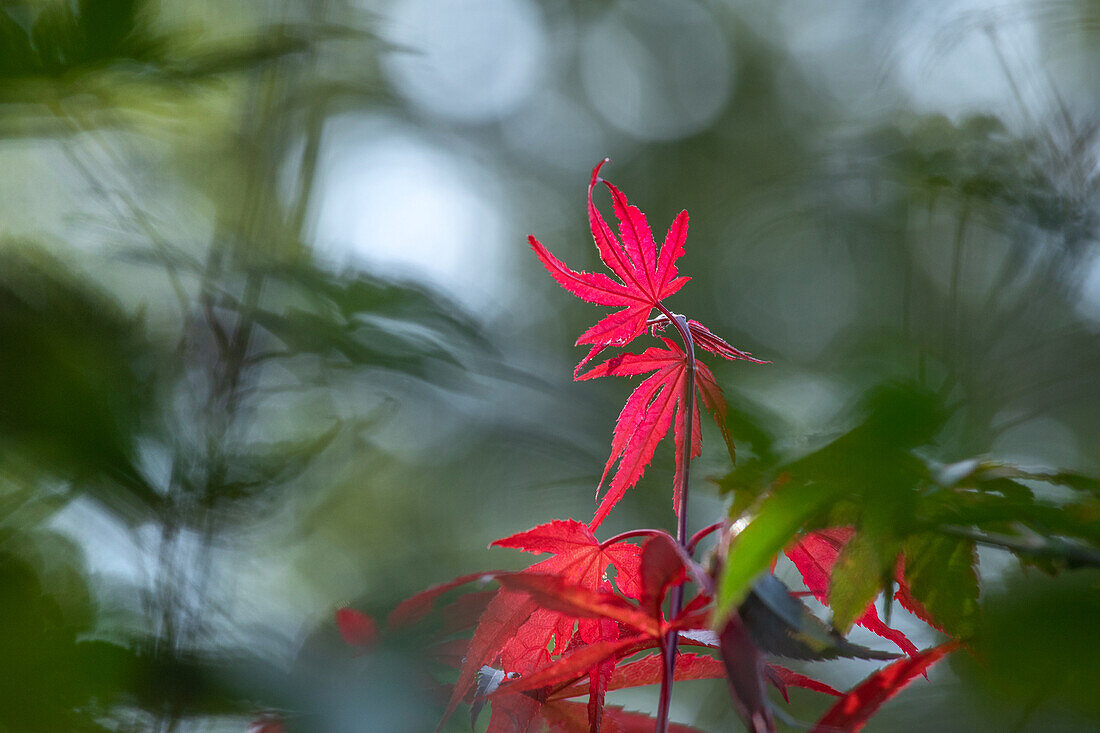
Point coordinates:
[[562, 629]]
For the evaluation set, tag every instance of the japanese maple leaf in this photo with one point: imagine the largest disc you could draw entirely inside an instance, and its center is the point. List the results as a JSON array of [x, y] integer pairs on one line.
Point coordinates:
[[814, 555], [644, 276], [516, 631], [595, 655], [649, 411], [663, 566], [852, 711]]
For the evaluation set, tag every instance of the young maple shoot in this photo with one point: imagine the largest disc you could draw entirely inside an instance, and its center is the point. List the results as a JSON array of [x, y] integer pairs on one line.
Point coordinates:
[[646, 277], [561, 629]]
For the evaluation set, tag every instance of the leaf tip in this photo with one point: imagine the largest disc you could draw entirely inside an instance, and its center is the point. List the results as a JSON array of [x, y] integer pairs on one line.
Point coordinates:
[[596, 172]]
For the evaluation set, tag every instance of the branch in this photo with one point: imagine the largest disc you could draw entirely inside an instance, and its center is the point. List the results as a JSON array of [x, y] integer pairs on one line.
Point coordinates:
[[1035, 545]]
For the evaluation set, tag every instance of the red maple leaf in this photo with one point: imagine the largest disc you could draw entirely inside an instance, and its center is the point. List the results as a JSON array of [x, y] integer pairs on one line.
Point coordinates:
[[649, 411], [852, 711], [515, 631], [626, 627], [415, 607], [663, 566], [814, 555], [644, 276]]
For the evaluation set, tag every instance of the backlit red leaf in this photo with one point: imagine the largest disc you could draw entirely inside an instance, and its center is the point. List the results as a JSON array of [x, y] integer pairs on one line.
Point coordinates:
[[644, 276], [500, 622], [851, 712], [514, 629], [356, 628], [650, 410], [702, 336], [414, 608], [579, 556], [515, 713], [573, 665], [556, 594]]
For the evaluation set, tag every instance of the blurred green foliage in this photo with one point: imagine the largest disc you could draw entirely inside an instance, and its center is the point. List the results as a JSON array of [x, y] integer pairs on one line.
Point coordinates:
[[215, 429]]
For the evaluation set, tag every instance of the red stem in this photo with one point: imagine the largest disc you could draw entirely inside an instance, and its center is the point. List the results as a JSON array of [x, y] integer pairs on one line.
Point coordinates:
[[698, 536], [632, 533], [676, 601]]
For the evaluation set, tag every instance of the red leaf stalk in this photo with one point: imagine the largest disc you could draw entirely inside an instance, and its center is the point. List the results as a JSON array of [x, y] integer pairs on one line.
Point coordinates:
[[676, 601]]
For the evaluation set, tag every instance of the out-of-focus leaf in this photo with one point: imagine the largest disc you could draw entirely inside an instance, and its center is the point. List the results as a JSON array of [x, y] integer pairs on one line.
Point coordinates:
[[77, 381], [745, 671], [266, 465], [356, 320], [865, 565], [940, 574], [852, 711], [780, 624], [1002, 513], [52, 680], [355, 627], [868, 475], [1038, 640], [781, 516], [355, 293], [661, 568]]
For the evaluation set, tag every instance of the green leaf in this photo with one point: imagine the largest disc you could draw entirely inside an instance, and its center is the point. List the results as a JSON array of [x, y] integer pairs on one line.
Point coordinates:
[[941, 573], [781, 516], [861, 571], [1038, 640]]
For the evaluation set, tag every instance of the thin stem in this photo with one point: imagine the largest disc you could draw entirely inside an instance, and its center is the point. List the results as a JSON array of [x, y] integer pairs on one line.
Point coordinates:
[[632, 533], [700, 535], [676, 601]]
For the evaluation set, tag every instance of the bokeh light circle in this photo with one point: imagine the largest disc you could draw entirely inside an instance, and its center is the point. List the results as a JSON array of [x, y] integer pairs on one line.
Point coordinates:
[[469, 60], [657, 70]]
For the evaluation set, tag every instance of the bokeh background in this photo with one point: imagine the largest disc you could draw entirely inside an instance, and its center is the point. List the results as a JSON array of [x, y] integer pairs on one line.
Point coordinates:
[[272, 341]]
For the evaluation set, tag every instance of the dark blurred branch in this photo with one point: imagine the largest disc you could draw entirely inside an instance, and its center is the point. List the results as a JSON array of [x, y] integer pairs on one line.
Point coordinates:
[[1034, 545]]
